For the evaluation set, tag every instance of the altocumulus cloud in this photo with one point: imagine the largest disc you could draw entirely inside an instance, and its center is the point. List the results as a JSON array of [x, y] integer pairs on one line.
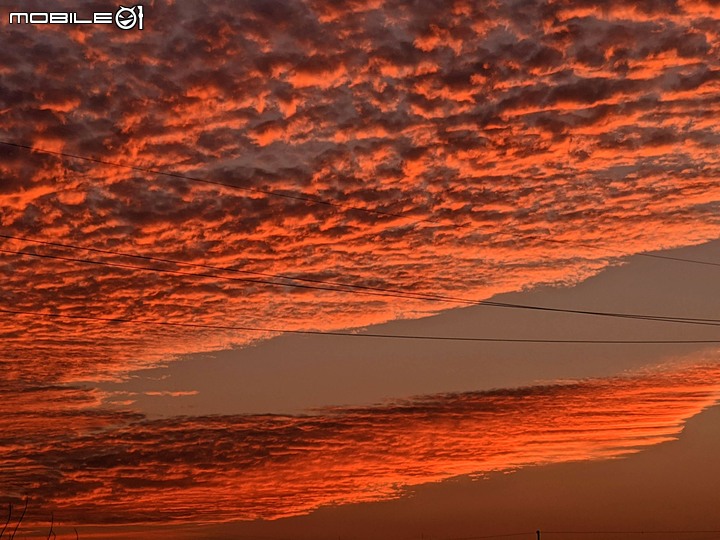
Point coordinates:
[[488, 128]]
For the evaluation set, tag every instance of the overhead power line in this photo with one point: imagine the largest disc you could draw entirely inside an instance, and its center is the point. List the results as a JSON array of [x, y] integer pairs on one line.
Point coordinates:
[[326, 285], [537, 534], [508, 535], [626, 254], [678, 259], [149, 170], [176, 272], [632, 532], [130, 320]]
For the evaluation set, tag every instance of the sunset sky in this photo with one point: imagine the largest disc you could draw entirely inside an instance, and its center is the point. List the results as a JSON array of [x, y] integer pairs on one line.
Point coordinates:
[[187, 210]]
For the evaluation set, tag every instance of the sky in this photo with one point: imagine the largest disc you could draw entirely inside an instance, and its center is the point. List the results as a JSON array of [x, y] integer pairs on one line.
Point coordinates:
[[179, 203]]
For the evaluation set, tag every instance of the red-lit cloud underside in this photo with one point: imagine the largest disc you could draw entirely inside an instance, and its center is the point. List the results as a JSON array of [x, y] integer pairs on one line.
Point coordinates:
[[490, 127], [502, 125], [95, 466]]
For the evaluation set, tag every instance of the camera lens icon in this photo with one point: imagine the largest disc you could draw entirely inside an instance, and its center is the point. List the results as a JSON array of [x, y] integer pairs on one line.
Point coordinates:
[[128, 18]]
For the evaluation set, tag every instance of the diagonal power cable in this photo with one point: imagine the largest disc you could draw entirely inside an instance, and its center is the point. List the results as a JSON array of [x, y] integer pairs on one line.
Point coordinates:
[[130, 320], [325, 285]]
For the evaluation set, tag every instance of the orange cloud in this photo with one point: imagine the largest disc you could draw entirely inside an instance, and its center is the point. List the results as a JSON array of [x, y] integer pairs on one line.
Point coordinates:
[[115, 467], [488, 128]]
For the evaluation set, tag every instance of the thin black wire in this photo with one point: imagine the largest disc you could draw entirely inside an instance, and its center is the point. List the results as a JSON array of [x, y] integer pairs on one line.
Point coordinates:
[[177, 272], [334, 286], [533, 533], [214, 182], [223, 268], [631, 532], [679, 259], [626, 254], [363, 335]]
